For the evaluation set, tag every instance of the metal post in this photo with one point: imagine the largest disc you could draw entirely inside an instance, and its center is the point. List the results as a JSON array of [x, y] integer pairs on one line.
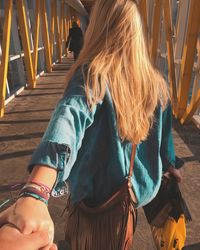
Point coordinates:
[[143, 11], [188, 57], [170, 52], [62, 6], [5, 54], [25, 42], [191, 109], [58, 42], [52, 28], [36, 36], [156, 27], [45, 33]]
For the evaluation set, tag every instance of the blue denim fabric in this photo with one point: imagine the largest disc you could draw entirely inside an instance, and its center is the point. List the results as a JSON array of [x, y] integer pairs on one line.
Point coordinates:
[[85, 148]]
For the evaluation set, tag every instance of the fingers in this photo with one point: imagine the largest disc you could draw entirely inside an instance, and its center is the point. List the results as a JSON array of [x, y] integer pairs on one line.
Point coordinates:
[[16, 240], [51, 234], [4, 216], [9, 217], [8, 230], [39, 239], [50, 247], [176, 173], [30, 215], [25, 226], [54, 247]]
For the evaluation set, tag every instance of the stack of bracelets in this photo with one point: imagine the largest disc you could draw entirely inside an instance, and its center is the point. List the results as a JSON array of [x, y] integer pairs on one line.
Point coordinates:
[[36, 190]]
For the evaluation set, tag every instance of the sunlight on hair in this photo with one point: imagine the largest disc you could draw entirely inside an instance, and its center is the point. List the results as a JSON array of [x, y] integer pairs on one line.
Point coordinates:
[[117, 56]]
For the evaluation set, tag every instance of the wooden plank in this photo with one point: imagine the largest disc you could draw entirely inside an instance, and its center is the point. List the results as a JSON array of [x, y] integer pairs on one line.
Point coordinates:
[[24, 32], [45, 33], [5, 53], [156, 29], [36, 36], [170, 52], [188, 57]]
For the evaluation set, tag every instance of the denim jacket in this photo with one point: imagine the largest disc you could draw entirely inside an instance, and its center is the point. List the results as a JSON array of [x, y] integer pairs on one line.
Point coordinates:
[[88, 154]]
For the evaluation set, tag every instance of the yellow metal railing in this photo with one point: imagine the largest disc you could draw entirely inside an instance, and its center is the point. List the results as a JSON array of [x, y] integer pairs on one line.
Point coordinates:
[[59, 26], [181, 86], [5, 54], [158, 21]]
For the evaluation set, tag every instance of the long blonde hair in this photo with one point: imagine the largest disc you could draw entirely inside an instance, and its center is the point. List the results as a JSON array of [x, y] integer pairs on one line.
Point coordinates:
[[116, 54]]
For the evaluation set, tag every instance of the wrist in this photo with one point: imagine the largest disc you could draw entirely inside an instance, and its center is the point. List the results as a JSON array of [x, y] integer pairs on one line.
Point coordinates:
[[37, 191], [43, 174], [30, 201], [33, 196]]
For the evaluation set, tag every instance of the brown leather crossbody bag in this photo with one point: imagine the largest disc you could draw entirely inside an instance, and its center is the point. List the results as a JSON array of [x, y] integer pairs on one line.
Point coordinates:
[[109, 226]]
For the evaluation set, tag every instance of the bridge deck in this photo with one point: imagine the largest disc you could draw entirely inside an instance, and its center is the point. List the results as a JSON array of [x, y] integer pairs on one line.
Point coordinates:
[[25, 121]]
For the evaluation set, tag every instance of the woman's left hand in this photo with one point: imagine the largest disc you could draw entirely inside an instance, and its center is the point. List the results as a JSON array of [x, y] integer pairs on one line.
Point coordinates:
[[175, 172]]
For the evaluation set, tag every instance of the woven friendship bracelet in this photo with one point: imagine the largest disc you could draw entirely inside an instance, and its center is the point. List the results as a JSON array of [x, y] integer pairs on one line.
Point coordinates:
[[36, 191], [38, 188], [33, 195], [41, 185]]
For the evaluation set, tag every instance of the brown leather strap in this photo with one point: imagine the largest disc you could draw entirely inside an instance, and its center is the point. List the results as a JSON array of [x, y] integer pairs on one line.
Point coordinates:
[[132, 160]]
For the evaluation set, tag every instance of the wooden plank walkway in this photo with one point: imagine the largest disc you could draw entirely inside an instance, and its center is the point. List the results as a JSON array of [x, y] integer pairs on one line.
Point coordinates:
[[25, 121]]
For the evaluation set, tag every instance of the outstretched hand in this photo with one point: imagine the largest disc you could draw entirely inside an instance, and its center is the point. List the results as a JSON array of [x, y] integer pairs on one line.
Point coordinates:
[[29, 216], [12, 239]]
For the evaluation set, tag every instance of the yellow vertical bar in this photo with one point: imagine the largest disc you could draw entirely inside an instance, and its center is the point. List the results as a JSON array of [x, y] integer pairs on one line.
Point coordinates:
[[5, 54], [156, 27], [45, 33], [64, 30], [189, 52], [195, 100], [197, 77], [61, 25], [68, 20], [170, 52], [36, 36], [52, 28], [25, 42], [143, 11], [191, 109], [57, 34]]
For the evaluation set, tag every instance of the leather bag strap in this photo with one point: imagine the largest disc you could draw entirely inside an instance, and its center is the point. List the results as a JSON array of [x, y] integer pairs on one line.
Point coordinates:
[[134, 146]]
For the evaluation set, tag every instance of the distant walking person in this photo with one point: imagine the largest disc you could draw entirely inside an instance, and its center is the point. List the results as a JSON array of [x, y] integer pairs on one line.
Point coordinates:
[[75, 40]]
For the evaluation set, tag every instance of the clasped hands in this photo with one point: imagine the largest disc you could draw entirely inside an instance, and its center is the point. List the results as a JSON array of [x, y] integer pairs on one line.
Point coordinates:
[[26, 225], [12, 239]]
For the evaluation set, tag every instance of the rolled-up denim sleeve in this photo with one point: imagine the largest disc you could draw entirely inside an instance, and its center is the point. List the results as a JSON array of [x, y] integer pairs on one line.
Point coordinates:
[[63, 138], [167, 144]]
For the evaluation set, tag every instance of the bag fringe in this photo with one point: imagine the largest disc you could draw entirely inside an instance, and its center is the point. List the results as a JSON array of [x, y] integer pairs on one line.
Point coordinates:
[[107, 231]]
